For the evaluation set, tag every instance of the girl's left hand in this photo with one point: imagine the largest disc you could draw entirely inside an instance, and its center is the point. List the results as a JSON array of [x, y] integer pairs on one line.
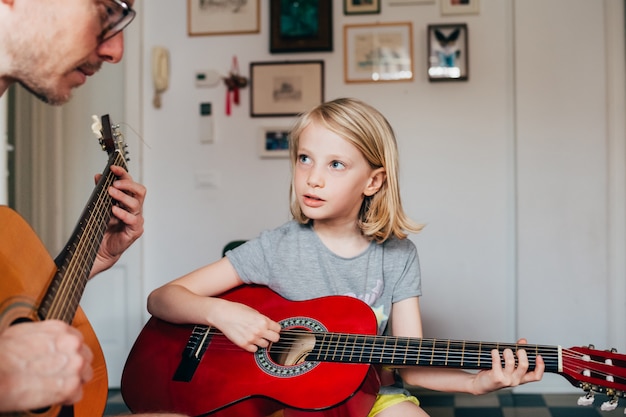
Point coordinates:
[[510, 375]]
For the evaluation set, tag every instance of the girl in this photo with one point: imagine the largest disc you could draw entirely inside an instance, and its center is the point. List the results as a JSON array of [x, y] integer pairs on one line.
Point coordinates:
[[348, 237]]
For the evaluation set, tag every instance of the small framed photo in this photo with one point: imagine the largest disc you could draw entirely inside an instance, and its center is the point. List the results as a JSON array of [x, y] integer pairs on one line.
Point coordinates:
[[285, 88], [447, 52], [378, 52], [301, 26], [451, 7], [361, 7], [274, 142], [205, 17]]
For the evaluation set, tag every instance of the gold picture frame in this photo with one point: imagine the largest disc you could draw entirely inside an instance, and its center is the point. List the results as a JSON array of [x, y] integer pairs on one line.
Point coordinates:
[[205, 17], [380, 52]]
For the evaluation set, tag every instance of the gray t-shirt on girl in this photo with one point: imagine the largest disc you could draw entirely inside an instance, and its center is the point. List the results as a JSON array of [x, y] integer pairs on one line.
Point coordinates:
[[295, 263]]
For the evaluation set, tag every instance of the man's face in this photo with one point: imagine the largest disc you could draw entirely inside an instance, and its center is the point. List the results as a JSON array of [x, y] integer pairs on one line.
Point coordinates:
[[61, 45]]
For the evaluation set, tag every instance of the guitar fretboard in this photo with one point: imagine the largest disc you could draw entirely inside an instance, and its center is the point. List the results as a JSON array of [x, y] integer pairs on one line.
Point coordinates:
[[76, 260], [402, 351]]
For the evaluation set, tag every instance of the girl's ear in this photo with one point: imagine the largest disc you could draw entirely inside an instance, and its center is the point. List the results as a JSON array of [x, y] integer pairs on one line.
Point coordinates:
[[375, 182]]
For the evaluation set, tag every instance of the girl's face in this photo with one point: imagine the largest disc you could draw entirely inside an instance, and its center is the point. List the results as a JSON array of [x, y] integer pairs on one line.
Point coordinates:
[[331, 176]]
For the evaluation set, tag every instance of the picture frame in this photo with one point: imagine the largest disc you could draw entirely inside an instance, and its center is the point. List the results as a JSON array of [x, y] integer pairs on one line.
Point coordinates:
[[305, 27], [448, 55], [454, 7], [361, 7], [410, 2], [273, 142], [208, 18], [285, 88], [378, 52]]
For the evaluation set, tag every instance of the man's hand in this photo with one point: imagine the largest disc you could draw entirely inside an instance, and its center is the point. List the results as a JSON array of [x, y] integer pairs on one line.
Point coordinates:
[[42, 364], [126, 224]]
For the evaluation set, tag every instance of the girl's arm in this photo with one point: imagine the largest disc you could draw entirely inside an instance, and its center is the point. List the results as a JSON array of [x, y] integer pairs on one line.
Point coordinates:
[[407, 322], [192, 299]]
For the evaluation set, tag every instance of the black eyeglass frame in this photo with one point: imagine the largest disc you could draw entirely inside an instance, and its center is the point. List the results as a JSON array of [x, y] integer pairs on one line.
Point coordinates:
[[127, 16]]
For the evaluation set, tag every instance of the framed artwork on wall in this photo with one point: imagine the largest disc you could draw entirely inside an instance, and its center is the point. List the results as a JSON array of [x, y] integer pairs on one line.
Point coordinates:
[[301, 26], [274, 142], [361, 7], [448, 58], [378, 52], [285, 88], [451, 7], [205, 17]]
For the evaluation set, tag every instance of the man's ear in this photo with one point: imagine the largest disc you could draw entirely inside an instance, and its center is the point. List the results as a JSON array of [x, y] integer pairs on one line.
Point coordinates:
[[375, 182]]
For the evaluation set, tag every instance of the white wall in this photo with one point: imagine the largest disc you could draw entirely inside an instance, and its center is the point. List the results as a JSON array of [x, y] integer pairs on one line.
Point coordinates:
[[512, 171]]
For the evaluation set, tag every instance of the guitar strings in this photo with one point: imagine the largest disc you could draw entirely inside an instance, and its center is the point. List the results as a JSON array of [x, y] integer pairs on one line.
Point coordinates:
[[438, 352], [76, 271]]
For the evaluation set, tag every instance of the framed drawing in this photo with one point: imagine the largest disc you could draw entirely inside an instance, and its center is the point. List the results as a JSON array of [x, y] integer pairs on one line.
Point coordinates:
[[361, 7], [205, 17], [447, 52], [274, 142], [378, 52], [450, 7], [301, 26], [285, 88]]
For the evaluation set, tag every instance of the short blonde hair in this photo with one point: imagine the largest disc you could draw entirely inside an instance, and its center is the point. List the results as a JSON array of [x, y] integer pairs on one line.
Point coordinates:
[[381, 214]]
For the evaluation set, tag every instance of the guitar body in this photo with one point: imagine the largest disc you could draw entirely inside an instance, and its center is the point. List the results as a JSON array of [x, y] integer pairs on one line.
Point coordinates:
[[26, 271], [230, 382]]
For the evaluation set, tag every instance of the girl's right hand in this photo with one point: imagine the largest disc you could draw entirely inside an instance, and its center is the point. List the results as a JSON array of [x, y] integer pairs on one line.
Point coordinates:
[[246, 327]]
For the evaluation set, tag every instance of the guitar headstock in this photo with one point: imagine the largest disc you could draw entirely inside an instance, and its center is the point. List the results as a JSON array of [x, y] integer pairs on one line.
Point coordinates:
[[596, 371], [109, 136]]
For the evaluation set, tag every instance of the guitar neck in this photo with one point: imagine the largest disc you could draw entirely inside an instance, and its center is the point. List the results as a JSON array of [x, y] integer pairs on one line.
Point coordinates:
[[76, 260], [403, 351]]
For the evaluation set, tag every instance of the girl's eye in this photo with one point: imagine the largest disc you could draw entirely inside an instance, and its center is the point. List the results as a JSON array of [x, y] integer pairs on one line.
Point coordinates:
[[303, 159], [337, 165]]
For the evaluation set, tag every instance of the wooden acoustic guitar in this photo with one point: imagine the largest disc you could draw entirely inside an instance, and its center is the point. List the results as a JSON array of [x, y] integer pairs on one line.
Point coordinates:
[[321, 366], [33, 287]]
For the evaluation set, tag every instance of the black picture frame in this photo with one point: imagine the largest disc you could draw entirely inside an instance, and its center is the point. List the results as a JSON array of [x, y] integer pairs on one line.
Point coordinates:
[[286, 88], [361, 7], [448, 54], [310, 29]]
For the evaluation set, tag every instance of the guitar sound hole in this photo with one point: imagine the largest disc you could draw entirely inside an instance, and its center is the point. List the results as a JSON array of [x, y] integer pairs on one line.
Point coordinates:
[[292, 348]]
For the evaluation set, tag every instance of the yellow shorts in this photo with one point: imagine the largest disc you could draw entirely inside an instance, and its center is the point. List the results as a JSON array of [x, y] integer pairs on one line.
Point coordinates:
[[384, 401]]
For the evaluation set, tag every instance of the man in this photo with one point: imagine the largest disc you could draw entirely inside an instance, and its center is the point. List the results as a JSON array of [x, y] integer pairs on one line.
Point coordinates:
[[51, 47]]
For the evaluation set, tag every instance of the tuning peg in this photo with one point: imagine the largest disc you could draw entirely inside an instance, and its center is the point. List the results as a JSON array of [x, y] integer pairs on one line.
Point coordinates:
[[610, 405], [586, 399]]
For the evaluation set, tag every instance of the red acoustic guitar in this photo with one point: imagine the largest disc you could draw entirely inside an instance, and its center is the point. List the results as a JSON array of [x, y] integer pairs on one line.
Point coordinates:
[[33, 287], [320, 367]]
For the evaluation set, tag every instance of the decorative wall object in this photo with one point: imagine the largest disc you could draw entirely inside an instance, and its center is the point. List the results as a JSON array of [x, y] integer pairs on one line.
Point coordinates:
[[450, 7], [301, 26], [361, 7], [378, 52], [205, 17], [285, 88], [447, 52], [274, 142]]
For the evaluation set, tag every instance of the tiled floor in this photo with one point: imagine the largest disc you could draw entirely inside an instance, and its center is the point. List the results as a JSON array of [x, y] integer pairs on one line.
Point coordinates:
[[501, 404]]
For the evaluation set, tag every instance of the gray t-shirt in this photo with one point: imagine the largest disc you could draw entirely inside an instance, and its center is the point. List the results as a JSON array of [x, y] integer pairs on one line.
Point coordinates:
[[295, 263]]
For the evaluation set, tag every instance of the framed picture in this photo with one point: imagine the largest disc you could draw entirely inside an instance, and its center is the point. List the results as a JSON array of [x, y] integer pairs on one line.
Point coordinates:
[[206, 17], [361, 7], [410, 2], [450, 7], [274, 142], [378, 52], [301, 26], [285, 88], [447, 52]]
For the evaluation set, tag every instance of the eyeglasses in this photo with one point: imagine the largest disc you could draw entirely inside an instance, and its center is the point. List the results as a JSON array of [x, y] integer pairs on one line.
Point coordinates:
[[116, 15]]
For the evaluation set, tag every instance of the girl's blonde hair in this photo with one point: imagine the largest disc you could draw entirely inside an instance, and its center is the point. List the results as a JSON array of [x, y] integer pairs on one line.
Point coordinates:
[[366, 128]]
